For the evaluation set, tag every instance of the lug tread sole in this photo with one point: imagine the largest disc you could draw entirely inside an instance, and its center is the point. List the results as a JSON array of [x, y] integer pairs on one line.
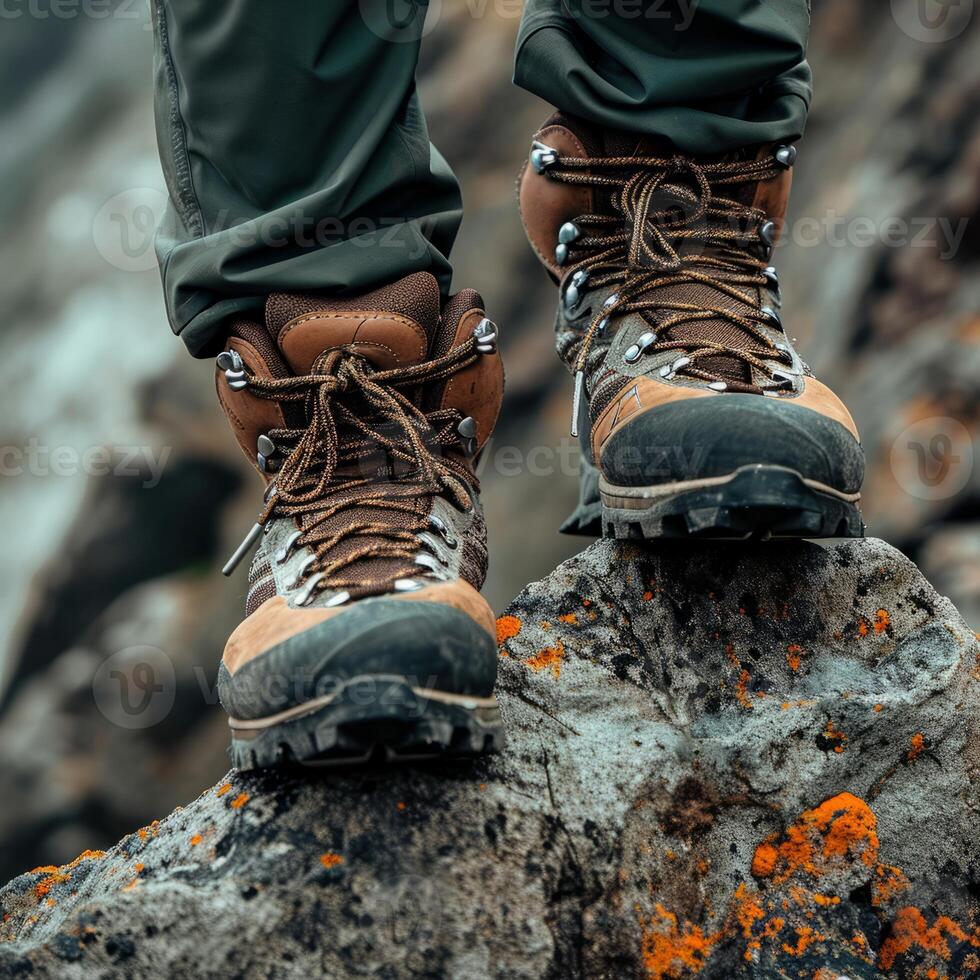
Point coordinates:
[[400, 724], [758, 502]]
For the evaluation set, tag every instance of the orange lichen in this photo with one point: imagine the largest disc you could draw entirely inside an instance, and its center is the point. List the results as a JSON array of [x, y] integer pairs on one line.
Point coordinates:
[[196, 839], [401, 805], [507, 628], [863, 627], [551, 658], [882, 620], [826, 901], [794, 656], [570, 618], [239, 801], [834, 736], [647, 596], [917, 747], [765, 859], [843, 827], [748, 911], [670, 949], [826, 973], [138, 867], [56, 878], [741, 690], [888, 882], [55, 875], [806, 937], [878, 708], [911, 931], [221, 790], [331, 860]]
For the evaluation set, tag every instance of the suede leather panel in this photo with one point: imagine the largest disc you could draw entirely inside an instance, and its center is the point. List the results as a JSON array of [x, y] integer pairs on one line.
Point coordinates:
[[427, 644], [275, 621], [547, 204], [388, 340], [646, 394], [476, 391], [250, 417]]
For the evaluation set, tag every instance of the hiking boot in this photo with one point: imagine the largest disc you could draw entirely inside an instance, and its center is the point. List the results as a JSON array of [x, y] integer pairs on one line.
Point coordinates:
[[365, 633], [694, 409]]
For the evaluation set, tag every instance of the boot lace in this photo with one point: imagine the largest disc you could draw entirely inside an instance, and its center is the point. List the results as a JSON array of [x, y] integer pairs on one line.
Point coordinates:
[[673, 226], [357, 414]]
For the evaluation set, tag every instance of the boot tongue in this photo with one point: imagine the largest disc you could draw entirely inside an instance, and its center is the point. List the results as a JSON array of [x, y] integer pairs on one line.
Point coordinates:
[[721, 331], [393, 326]]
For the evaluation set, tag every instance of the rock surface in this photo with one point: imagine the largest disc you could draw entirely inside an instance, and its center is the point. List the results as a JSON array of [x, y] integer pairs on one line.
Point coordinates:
[[723, 761]]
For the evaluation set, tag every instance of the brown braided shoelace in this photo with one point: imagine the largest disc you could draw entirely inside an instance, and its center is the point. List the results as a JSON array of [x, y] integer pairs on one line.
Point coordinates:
[[357, 414], [671, 227]]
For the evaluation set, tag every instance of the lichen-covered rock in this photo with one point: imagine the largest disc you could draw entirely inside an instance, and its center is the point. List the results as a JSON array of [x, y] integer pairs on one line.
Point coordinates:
[[723, 761]]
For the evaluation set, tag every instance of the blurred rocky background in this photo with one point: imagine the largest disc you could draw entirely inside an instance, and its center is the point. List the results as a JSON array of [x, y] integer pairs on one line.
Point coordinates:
[[123, 490]]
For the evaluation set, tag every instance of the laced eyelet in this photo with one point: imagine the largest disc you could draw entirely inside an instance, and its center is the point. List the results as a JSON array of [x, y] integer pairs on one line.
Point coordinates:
[[282, 555], [542, 156], [230, 361], [486, 334], [307, 594], [668, 371], [432, 563], [440, 525], [301, 572], [637, 350], [786, 156]]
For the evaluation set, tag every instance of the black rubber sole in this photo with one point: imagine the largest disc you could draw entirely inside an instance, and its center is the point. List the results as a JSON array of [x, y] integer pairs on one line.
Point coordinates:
[[375, 718], [758, 502]]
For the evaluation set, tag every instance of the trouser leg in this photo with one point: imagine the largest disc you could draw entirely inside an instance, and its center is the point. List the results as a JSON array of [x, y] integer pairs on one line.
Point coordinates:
[[296, 155], [710, 75]]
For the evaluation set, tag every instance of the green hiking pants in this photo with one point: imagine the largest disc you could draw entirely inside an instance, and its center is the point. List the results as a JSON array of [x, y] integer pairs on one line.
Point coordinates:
[[296, 152]]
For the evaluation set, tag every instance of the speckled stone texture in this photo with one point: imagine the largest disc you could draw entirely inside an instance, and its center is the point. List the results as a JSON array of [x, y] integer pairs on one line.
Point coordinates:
[[723, 761]]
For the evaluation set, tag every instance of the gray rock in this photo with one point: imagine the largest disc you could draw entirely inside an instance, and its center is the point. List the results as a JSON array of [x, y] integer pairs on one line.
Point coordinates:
[[723, 761]]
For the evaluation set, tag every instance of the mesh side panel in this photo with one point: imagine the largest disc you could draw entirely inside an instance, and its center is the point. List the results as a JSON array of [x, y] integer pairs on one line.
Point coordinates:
[[416, 296], [608, 387], [259, 593], [475, 559], [260, 568]]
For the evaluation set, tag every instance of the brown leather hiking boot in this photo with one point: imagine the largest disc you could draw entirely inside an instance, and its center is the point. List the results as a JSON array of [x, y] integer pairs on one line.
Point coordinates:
[[365, 630], [693, 406]]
